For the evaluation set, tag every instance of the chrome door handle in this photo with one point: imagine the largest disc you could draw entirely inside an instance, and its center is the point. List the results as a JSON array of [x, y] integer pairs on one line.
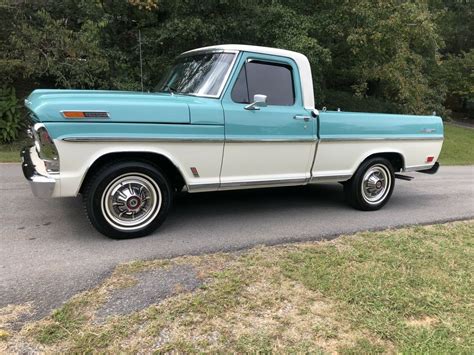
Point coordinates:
[[302, 117]]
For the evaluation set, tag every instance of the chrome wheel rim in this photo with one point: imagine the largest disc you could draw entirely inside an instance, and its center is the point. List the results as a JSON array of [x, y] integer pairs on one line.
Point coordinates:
[[131, 201], [376, 184]]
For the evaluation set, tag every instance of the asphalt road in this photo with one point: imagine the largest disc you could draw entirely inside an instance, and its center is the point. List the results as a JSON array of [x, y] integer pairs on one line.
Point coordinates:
[[49, 252]]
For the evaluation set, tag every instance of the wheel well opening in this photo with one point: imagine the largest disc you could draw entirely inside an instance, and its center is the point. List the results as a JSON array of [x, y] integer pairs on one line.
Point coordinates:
[[158, 160], [396, 159]]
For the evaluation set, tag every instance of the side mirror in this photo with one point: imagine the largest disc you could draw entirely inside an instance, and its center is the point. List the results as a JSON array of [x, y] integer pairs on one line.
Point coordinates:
[[258, 101]]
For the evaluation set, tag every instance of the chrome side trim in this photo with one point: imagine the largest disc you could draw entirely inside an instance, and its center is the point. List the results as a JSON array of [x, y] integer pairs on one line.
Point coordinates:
[[337, 139], [265, 183], [246, 184], [237, 184], [418, 167], [271, 140], [236, 140], [140, 139], [168, 139], [202, 187], [330, 178]]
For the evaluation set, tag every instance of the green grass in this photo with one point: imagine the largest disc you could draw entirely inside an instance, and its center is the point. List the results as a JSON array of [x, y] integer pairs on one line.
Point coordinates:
[[411, 288], [10, 153], [396, 291], [458, 146], [65, 321]]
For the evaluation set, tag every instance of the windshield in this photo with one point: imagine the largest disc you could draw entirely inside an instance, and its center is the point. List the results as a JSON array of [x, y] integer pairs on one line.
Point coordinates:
[[200, 74]]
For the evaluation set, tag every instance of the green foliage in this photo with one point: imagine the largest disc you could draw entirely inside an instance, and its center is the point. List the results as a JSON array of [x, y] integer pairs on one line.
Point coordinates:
[[389, 56], [455, 22], [457, 71], [384, 49], [72, 58], [10, 118], [347, 101]]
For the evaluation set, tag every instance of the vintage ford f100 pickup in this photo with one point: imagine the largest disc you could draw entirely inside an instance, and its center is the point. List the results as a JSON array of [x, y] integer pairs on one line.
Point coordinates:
[[225, 117]]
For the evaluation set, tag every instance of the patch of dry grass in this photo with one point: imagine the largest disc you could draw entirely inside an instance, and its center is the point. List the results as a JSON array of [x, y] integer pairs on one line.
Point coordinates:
[[407, 290], [421, 322], [8, 315]]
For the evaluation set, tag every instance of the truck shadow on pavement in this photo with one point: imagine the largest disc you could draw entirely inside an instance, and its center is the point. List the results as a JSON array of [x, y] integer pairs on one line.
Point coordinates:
[[259, 200], [225, 206]]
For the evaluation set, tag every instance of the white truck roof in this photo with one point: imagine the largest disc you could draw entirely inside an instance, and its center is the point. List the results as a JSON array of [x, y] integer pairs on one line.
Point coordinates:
[[300, 59]]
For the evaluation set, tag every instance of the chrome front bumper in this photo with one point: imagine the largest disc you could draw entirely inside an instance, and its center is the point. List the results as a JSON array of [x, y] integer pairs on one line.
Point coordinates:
[[41, 183]]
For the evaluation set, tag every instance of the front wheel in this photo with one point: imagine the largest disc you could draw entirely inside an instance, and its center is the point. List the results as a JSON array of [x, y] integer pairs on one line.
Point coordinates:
[[371, 186], [127, 199]]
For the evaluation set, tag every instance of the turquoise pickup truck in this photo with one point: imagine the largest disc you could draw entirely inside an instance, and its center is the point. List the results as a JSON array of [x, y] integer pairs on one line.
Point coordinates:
[[224, 117]]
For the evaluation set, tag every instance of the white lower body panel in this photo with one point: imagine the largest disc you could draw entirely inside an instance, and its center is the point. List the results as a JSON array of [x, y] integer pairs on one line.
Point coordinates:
[[77, 157], [340, 159], [258, 163], [246, 165]]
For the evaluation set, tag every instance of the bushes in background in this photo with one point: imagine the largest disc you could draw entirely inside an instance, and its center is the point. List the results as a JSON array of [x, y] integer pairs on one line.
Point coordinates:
[[10, 116], [383, 56], [346, 101]]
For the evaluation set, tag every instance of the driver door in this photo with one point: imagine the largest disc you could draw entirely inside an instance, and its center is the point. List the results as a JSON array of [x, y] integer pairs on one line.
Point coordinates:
[[272, 145]]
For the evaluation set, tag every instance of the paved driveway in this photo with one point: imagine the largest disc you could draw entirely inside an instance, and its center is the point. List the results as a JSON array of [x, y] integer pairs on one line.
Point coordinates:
[[49, 252]]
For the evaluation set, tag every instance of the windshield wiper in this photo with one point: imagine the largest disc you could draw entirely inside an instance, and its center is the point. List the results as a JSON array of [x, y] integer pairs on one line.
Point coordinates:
[[170, 89]]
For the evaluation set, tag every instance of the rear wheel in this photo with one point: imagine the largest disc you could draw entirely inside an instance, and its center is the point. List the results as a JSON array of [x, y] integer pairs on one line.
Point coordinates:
[[371, 186], [127, 199]]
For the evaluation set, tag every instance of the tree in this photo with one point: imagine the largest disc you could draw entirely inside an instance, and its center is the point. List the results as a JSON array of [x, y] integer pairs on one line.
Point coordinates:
[[384, 55], [457, 72]]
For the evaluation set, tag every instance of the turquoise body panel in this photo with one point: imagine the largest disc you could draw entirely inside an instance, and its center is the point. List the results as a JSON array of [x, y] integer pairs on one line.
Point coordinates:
[[362, 125], [66, 130], [271, 122], [125, 106]]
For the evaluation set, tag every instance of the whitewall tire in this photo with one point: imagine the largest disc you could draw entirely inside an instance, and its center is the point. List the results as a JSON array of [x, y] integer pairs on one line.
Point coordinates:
[[127, 199], [371, 186]]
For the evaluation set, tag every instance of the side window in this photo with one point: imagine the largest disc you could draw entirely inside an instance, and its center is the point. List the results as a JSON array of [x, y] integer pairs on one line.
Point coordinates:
[[271, 79], [240, 92]]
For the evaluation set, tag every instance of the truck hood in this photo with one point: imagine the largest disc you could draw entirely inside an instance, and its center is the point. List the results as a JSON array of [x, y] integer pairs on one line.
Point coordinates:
[[121, 106]]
